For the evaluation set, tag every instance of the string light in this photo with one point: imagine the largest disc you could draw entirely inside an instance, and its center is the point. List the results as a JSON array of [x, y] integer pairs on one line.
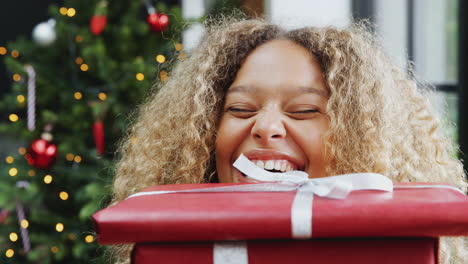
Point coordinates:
[[140, 76], [71, 12], [77, 159], [13, 117], [3, 50], [9, 159], [9, 253], [16, 77], [13, 172], [48, 179], [24, 223], [15, 53], [78, 95], [63, 11], [78, 39], [13, 237], [20, 98], [63, 196], [160, 58], [84, 67], [22, 150], [102, 96], [31, 173], [70, 156], [89, 239], [54, 249], [59, 227], [79, 60], [179, 46], [71, 236]]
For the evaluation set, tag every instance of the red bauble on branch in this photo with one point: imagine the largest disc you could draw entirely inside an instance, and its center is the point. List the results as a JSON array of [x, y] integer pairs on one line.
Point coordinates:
[[41, 154], [98, 21], [158, 22], [98, 133], [98, 24]]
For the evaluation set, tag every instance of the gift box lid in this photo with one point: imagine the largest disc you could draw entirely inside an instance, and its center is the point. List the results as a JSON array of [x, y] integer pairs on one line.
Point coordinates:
[[411, 210]]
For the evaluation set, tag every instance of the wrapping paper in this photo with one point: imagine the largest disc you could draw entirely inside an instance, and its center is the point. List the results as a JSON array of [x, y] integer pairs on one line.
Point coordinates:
[[319, 251], [411, 210]]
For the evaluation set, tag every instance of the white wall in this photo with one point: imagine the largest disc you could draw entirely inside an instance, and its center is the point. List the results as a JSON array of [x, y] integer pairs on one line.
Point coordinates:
[[297, 13]]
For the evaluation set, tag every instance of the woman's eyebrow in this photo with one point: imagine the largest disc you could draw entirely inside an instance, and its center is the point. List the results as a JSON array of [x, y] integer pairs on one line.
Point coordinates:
[[299, 89]]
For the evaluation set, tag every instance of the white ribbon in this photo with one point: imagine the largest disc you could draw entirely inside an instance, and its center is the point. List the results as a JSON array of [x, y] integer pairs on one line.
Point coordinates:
[[230, 252], [336, 187]]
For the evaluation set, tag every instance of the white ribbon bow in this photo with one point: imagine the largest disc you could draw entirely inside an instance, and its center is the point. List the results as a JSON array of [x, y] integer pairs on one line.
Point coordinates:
[[336, 187]]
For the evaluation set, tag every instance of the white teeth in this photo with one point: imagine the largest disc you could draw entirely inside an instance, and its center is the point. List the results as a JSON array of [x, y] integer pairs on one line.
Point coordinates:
[[260, 164], [283, 166], [269, 164], [278, 165]]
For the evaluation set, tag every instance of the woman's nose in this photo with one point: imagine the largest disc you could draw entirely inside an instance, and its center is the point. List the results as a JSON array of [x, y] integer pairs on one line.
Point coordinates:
[[268, 127]]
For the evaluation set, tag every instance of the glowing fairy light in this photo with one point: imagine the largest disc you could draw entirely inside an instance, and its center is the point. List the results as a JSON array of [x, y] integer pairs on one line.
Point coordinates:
[[64, 196], [70, 156], [13, 117], [89, 239], [20, 98], [102, 96], [13, 237], [13, 172], [59, 227], [63, 11], [48, 179], [140, 76], [71, 12], [16, 77], [160, 58], [77, 159], [24, 223], [79, 60], [9, 253], [9, 159], [78, 95], [22, 150]]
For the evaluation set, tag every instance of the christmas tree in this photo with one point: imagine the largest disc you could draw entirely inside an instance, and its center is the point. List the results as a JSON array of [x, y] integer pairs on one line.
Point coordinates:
[[73, 86]]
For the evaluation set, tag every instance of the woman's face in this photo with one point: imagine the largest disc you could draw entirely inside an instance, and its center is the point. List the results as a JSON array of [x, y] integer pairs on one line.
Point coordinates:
[[274, 113]]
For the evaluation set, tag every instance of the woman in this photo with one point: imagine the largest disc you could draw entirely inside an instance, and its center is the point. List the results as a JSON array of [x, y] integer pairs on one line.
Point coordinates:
[[324, 100]]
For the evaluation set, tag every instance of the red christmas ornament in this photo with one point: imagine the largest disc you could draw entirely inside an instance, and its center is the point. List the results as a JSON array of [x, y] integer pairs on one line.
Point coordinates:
[[41, 154], [98, 24], [3, 215], [98, 133], [158, 22]]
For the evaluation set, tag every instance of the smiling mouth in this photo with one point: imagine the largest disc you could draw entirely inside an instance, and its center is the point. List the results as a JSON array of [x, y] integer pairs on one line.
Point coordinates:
[[276, 166]]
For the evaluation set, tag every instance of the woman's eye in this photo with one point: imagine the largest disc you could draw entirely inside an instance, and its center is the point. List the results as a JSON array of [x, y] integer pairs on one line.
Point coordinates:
[[241, 112], [304, 114], [307, 111]]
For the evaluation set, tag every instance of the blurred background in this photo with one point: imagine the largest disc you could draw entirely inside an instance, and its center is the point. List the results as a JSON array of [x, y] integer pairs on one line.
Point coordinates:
[[72, 72]]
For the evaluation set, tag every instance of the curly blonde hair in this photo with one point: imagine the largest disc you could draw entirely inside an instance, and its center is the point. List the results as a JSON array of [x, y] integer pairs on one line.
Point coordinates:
[[380, 119]]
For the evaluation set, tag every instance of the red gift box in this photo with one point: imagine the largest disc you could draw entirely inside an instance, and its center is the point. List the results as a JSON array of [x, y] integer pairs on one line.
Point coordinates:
[[366, 227]]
